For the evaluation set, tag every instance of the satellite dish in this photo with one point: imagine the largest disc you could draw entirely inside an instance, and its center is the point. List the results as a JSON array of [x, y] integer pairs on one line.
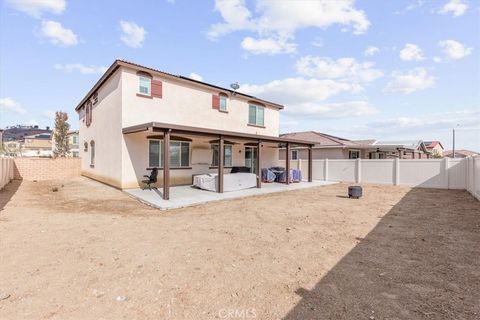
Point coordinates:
[[235, 86]]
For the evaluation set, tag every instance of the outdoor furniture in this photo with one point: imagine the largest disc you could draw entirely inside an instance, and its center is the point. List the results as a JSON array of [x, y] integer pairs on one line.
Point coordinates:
[[296, 175], [152, 178], [232, 181], [240, 169], [268, 175]]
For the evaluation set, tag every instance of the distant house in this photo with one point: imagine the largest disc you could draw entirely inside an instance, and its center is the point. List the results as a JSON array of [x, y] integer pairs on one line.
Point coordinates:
[[332, 147], [460, 153], [37, 145], [435, 148], [73, 143]]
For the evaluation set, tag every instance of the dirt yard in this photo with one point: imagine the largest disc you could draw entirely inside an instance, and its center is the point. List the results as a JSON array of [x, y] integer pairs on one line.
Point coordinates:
[[91, 252]]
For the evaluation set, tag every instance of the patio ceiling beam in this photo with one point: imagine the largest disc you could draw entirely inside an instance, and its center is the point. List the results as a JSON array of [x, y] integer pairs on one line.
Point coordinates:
[[187, 130], [220, 163], [166, 165], [287, 164], [310, 164], [258, 164]]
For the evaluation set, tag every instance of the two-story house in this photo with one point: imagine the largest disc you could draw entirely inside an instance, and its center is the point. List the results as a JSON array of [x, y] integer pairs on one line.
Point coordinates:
[[137, 118]]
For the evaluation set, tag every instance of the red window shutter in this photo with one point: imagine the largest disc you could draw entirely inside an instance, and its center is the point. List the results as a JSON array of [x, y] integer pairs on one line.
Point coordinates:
[[156, 88], [215, 102]]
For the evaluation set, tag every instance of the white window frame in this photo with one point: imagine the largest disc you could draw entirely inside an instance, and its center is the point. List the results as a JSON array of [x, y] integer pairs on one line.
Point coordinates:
[[160, 154], [214, 158], [223, 103], [350, 151], [149, 88], [294, 152], [257, 122]]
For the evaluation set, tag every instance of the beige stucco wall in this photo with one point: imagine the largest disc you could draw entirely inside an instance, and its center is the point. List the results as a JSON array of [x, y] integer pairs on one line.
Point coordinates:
[[106, 131], [191, 105], [135, 159], [122, 160]]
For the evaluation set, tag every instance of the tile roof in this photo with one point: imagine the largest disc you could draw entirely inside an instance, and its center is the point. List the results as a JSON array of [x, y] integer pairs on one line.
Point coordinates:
[[324, 139]]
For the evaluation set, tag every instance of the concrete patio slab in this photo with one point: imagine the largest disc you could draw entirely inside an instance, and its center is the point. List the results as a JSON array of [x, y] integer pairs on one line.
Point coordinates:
[[184, 196]]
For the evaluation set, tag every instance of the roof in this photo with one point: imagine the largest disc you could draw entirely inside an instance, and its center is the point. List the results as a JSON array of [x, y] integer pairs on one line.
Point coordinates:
[[432, 144], [180, 129], [39, 136], [466, 153], [123, 63], [326, 140]]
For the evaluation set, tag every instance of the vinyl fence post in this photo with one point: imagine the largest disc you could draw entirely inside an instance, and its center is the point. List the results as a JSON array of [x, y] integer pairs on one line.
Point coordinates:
[[396, 179], [325, 174], [359, 170], [445, 168]]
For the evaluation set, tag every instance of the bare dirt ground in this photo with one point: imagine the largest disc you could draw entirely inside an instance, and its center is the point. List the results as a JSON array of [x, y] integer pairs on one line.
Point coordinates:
[[90, 252]]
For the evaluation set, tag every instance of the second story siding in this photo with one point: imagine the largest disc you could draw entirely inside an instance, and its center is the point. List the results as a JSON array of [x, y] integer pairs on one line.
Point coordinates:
[[190, 104]]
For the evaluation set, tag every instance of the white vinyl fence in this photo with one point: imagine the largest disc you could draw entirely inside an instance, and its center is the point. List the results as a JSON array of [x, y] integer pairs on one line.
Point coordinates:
[[443, 173], [6, 171]]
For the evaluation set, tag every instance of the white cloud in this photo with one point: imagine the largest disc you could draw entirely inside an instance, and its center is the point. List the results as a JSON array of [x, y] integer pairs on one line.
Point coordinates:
[[331, 110], [35, 8], [268, 46], [371, 50], [9, 105], [300, 90], [410, 7], [133, 35], [410, 81], [345, 68], [57, 34], [411, 52], [195, 76], [467, 119], [280, 20], [437, 59], [456, 7], [83, 69], [454, 49]]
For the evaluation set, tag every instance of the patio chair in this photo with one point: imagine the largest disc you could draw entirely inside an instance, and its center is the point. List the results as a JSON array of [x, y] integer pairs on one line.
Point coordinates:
[[268, 175], [151, 179]]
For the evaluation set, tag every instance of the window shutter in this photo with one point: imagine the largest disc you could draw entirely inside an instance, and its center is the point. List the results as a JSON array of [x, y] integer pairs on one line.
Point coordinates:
[[215, 102], [156, 88]]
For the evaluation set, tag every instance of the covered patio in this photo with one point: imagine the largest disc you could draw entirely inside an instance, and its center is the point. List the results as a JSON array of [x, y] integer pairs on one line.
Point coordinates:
[[185, 196], [165, 132]]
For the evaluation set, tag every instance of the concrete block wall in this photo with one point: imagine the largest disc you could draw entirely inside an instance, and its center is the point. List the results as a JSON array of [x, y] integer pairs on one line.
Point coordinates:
[[38, 169]]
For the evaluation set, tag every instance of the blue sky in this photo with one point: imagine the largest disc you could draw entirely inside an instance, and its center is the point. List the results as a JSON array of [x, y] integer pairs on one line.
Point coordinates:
[[388, 70]]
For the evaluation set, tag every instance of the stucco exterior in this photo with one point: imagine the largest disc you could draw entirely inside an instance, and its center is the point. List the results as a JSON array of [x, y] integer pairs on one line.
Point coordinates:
[[121, 160]]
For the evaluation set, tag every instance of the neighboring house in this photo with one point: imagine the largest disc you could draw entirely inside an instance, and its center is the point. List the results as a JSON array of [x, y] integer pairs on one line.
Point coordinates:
[[1, 139], [129, 113], [73, 143], [37, 145], [435, 148], [460, 153], [332, 147]]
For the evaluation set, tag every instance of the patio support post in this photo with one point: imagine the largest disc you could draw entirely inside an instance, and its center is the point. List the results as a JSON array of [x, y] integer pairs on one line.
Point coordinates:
[[166, 165], [220, 164], [310, 164], [258, 164], [287, 164]]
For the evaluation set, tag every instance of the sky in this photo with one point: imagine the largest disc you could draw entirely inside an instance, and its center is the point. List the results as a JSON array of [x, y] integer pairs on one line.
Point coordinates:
[[387, 70]]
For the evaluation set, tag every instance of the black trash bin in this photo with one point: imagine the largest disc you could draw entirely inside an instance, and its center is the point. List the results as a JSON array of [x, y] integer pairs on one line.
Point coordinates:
[[354, 192]]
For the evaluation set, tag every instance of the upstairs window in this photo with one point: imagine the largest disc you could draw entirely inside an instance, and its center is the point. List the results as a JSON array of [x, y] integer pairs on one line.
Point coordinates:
[[223, 103], [227, 155], [256, 115], [144, 85]]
